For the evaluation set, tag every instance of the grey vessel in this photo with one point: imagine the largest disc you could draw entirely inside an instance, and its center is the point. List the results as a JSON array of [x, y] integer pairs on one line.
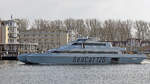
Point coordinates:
[[83, 51]]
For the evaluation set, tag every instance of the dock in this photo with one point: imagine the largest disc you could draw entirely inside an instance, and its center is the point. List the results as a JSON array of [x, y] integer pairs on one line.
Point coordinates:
[[8, 57]]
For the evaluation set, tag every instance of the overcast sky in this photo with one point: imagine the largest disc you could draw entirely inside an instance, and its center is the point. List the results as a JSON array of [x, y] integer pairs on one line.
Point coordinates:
[[62, 9]]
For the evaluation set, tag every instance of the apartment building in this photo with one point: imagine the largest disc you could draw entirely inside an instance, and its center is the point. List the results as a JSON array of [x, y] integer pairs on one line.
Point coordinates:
[[46, 40], [0, 32], [9, 45], [8, 31], [3, 33]]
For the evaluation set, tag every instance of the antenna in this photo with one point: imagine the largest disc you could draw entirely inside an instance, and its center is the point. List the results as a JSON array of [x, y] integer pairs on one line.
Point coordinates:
[[11, 17]]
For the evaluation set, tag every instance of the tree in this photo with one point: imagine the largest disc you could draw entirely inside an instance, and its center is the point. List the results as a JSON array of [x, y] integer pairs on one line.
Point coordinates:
[[23, 24], [94, 28], [142, 29], [123, 30]]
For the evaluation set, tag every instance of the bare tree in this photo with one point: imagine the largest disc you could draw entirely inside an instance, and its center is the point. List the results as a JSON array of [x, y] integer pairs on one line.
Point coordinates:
[[23, 24], [80, 27], [109, 30], [123, 30], [141, 29], [94, 28], [70, 24]]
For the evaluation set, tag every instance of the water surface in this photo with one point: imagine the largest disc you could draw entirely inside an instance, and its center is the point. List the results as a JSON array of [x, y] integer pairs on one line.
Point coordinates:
[[14, 72]]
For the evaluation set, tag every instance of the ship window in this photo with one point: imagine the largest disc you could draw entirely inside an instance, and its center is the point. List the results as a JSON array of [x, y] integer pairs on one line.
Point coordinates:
[[114, 60], [81, 39], [89, 52], [91, 44]]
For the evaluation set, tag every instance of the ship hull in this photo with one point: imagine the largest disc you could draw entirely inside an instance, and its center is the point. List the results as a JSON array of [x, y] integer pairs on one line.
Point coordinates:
[[81, 59]]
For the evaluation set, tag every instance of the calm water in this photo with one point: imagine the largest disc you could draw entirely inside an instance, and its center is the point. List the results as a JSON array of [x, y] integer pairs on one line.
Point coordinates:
[[13, 72]]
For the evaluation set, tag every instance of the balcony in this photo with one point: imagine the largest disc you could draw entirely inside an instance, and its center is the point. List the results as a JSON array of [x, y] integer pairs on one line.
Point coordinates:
[[13, 30], [13, 35]]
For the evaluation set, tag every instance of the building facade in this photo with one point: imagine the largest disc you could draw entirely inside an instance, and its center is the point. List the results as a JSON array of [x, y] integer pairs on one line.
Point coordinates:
[[46, 40], [0, 31], [133, 44], [9, 45], [3, 33], [8, 31], [13, 50]]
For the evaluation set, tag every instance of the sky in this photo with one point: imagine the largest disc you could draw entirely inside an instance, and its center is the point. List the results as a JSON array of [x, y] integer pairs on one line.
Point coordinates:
[[77, 9]]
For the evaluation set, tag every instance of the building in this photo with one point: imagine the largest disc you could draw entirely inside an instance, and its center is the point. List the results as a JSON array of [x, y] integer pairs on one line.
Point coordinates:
[[0, 31], [46, 40], [133, 44], [8, 30], [10, 51], [9, 45], [3, 33]]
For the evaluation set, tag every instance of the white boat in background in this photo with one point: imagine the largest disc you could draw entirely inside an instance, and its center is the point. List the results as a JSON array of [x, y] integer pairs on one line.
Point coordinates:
[[83, 51]]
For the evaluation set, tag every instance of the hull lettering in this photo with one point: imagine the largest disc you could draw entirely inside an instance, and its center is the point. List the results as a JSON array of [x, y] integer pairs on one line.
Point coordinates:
[[88, 59]]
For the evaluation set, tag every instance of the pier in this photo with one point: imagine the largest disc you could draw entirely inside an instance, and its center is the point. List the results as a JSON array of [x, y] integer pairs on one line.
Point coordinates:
[[11, 51], [8, 58]]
